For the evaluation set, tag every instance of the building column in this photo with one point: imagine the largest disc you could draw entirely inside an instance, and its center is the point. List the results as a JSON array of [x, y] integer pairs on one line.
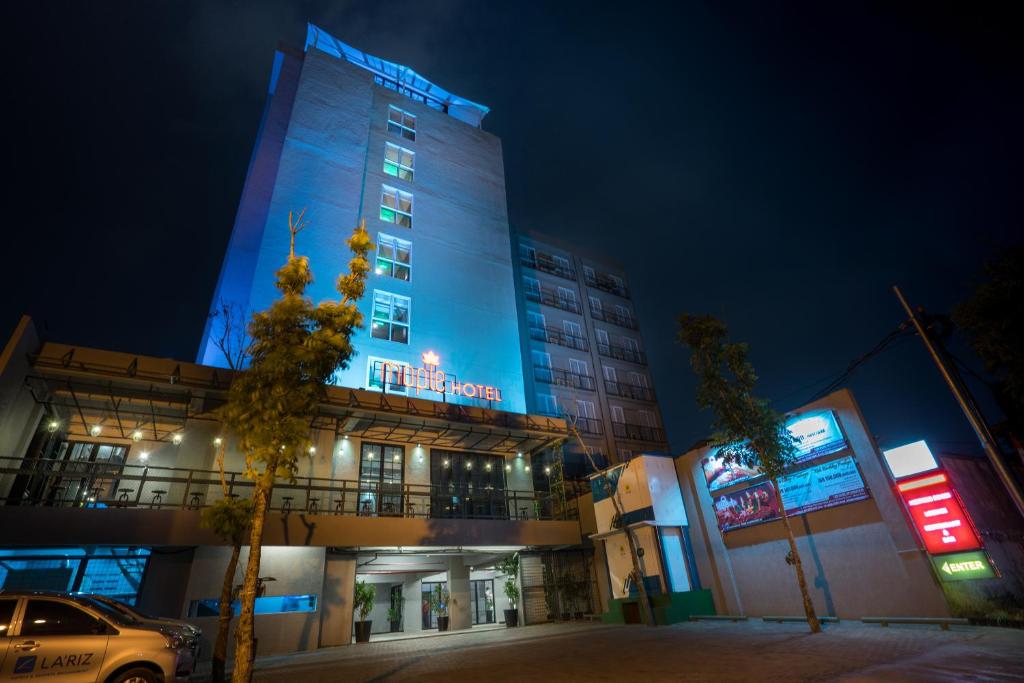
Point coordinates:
[[336, 603], [458, 587]]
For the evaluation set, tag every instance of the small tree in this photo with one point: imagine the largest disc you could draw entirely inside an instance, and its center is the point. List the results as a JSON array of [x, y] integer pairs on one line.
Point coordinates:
[[510, 568], [296, 348], [365, 594], [229, 519], [745, 427], [439, 598]]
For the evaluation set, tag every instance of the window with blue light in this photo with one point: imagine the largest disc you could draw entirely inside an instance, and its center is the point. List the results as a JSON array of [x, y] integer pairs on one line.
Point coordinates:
[[396, 206], [271, 604], [390, 317], [394, 257], [401, 123], [115, 572], [399, 161]]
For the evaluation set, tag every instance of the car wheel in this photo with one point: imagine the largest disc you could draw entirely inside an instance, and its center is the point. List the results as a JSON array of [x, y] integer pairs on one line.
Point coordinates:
[[136, 675]]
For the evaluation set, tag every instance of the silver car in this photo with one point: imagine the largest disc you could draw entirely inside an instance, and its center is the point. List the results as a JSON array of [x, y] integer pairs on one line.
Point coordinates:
[[190, 633], [75, 639]]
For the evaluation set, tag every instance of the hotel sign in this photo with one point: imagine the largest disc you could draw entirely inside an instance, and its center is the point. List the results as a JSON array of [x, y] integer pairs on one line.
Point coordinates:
[[964, 566], [431, 378], [937, 514]]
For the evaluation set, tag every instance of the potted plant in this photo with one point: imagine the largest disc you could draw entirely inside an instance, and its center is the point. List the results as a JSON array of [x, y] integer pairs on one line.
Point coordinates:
[[363, 603], [439, 598], [510, 568], [395, 613]]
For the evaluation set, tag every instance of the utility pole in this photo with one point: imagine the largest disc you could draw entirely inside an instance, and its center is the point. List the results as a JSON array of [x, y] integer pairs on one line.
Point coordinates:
[[967, 404]]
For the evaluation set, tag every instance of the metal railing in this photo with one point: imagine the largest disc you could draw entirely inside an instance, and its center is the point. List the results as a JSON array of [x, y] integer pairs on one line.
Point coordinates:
[[76, 484], [626, 430], [553, 335], [588, 425], [547, 264], [549, 298], [606, 284], [563, 378], [633, 391], [613, 317], [622, 353]]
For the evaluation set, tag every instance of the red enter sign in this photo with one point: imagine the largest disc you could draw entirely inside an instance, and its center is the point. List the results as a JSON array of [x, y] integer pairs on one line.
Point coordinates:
[[940, 519]]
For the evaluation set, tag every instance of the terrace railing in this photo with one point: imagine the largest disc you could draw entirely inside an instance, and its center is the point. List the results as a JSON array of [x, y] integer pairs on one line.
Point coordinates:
[[563, 378], [633, 391], [548, 298], [622, 353], [553, 335], [635, 432], [74, 484]]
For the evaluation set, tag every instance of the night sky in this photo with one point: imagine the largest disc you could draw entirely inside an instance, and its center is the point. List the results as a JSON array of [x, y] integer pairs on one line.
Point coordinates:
[[779, 166]]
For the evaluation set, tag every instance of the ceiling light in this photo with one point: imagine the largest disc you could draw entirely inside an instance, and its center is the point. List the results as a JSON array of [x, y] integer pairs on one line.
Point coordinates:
[[217, 441], [137, 436], [95, 430], [177, 438]]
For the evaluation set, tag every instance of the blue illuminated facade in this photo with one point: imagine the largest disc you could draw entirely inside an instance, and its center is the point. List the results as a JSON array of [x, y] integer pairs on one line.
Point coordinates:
[[350, 137]]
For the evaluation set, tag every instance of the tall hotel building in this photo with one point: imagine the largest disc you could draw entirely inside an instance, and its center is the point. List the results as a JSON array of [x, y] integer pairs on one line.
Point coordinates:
[[107, 458]]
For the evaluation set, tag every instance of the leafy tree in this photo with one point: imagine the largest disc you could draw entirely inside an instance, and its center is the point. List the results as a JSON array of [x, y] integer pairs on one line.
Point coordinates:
[[993, 318], [295, 348], [510, 568], [746, 429], [363, 602]]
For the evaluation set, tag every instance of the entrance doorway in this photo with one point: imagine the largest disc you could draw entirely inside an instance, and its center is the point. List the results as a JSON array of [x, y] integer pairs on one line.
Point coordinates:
[[481, 601], [429, 616]]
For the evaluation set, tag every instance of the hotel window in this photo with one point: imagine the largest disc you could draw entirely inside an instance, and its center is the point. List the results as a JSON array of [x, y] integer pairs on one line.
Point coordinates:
[[562, 262], [632, 345], [609, 374], [542, 366], [578, 367], [589, 274], [375, 375], [625, 316], [596, 306], [394, 257], [625, 455], [572, 329], [531, 287], [528, 254], [602, 338], [535, 320], [638, 380], [586, 409], [567, 298], [399, 161], [396, 206], [547, 404], [381, 469], [390, 317], [401, 123], [618, 415], [646, 418]]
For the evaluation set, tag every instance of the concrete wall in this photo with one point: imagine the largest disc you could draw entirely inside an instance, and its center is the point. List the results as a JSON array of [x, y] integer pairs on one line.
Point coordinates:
[[860, 559], [19, 413], [164, 586]]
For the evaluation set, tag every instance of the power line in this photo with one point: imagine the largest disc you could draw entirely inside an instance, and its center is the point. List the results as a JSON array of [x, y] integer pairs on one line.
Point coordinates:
[[899, 332]]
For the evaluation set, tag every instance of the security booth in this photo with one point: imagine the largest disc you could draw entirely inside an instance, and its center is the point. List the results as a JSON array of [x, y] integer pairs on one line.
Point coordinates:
[[641, 497]]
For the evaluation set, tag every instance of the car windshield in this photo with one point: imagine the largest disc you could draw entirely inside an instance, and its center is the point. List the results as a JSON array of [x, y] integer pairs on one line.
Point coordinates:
[[122, 607], [108, 612]]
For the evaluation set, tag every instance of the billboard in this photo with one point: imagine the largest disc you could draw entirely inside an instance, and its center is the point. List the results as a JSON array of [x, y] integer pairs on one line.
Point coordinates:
[[816, 434], [937, 514], [829, 484]]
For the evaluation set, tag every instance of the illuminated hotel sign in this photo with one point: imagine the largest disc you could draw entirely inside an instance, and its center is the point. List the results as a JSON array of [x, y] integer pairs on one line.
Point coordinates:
[[431, 378], [913, 458], [938, 515], [964, 566]]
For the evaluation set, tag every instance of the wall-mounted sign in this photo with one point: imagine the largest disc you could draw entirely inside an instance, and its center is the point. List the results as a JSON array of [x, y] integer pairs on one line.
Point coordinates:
[[829, 484], [964, 566], [431, 378], [913, 458], [936, 511], [817, 434]]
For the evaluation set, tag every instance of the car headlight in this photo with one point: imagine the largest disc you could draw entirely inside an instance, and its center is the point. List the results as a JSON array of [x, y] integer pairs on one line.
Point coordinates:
[[173, 639]]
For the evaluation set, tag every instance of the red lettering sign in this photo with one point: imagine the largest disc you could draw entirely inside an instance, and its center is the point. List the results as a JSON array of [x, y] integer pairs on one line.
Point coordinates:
[[431, 378], [941, 520]]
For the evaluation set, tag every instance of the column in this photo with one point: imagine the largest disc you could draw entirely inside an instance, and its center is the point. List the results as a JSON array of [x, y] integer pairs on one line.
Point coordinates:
[[458, 586]]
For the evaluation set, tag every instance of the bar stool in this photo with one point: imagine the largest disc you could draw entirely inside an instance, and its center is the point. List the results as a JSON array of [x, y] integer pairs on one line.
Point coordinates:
[[410, 509], [313, 507], [337, 506], [158, 498], [196, 500], [365, 508], [122, 500], [287, 505], [57, 492]]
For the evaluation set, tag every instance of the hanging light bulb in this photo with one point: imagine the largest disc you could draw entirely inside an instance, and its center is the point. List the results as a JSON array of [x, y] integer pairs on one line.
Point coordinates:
[[177, 438], [95, 430], [53, 426], [547, 470], [217, 441], [312, 450], [527, 468], [488, 467], [137, 436], [508, 468]]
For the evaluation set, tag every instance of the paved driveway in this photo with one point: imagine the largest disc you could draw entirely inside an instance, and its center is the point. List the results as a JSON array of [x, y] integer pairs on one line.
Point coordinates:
[[716, 652]]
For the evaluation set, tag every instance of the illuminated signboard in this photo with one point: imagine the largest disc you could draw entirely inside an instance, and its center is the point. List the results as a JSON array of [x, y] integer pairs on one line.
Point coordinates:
[[432, 378], [913, 458], [941, 521], [816, 434], [964, 566], [829, 484]]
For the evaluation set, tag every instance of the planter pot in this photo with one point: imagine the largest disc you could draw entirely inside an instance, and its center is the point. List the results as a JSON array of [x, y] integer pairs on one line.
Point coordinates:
[[511, 617], [565, 616], [579, 615], [442, 623], [396, 626], [363, 631]]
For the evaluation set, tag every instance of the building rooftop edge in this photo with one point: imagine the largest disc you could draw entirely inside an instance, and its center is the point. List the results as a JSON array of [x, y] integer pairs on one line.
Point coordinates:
[[325, 42]]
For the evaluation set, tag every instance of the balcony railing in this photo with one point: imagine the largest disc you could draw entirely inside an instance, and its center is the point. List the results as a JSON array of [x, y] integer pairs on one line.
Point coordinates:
[[633, 391], [613, 317], [553, 335], [606, 284], [587, 425], [622, 353], [548, 265], [549, 298], [563, 378], [77, 485], [626, 430]]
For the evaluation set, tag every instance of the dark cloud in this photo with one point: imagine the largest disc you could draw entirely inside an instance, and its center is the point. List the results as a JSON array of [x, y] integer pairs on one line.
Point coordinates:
[[777, 165]]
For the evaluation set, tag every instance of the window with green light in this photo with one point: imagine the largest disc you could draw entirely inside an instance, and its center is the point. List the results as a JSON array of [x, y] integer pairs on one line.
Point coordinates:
[[394, 257], [399, 161], [390, 317], [396, 206]]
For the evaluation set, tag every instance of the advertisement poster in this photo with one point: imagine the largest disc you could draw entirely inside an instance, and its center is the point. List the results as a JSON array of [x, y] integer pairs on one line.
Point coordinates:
[[822, 486], [816, 434]]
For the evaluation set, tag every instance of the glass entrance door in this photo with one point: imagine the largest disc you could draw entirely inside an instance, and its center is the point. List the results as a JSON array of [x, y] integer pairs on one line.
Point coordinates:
[[481, 600], [467, 485], [426, 589], [381, 470]]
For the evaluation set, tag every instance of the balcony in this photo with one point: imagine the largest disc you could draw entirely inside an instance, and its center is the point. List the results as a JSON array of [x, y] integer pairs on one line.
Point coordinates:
[[613, 317], [622, 353], [632, 391], [95, 487], [587, 425], [563, 378], [553, 335], [607, 284], [545, 263], [634, 432], [549, 298]]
